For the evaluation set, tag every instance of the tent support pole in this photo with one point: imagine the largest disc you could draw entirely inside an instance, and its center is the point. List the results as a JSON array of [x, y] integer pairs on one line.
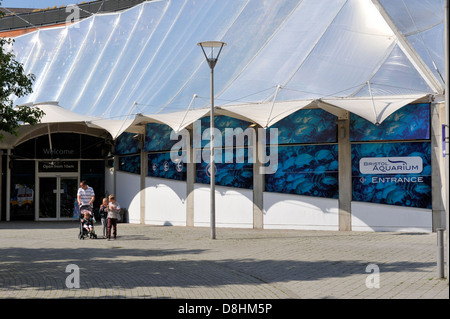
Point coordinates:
[[8, 184], [345, 173], [1, 182], [437, 167], [144, 170], [258, 181], [409, 51], [447, 131], [190, 183]]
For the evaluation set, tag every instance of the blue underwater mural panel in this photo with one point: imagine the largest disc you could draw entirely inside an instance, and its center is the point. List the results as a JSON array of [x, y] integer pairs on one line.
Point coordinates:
[[307, 126], [392, 173], [157, 138], [411, 122], [310, 170], [237, 173], [130, 164], [126, 144], [161, 165], [221, 122]]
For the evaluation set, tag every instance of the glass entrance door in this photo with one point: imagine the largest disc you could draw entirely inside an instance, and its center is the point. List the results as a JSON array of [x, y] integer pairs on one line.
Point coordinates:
[[47, 197], [57, 197], [68, 187]]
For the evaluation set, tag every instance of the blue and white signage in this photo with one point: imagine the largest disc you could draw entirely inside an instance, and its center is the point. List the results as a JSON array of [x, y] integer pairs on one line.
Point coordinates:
[[392, 173], [391, 165]]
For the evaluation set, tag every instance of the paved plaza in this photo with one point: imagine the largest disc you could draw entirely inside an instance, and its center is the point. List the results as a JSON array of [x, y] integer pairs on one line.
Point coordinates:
[[40, 260]]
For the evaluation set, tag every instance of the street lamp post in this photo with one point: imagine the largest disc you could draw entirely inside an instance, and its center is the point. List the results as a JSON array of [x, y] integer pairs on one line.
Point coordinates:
[[212, 60]]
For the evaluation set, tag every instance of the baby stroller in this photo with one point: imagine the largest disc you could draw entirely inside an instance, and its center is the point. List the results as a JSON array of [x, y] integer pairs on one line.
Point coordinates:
[[86, 210]]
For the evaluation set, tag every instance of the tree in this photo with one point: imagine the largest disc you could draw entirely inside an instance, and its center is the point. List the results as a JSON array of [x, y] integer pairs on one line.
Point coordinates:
[[14, 82]]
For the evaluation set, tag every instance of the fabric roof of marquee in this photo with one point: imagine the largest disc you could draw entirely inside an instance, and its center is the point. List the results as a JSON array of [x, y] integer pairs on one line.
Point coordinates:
[[143, 64]]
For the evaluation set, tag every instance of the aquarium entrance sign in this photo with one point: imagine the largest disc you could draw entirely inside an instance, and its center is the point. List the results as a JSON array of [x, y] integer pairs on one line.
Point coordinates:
[[391, 165]]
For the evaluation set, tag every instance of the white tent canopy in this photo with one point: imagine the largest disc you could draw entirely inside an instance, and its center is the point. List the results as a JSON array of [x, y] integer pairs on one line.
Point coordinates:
[[264, 114], [176, 120], [53, 113], [142, 65], [375, 109], [57, 114], [115, 127]]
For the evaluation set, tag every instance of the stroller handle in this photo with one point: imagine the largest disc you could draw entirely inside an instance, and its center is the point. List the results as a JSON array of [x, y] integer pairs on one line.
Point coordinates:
[[86, 208]]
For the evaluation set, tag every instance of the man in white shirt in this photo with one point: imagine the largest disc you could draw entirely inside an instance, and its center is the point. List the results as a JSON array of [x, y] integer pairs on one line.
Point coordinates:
[[85, 195]]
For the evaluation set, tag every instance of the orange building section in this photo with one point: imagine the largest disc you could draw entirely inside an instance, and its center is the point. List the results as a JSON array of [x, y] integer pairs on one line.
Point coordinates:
[[18, 32]]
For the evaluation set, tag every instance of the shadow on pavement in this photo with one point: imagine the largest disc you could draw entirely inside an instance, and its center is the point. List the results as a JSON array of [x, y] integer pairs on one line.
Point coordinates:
[[131, 268]]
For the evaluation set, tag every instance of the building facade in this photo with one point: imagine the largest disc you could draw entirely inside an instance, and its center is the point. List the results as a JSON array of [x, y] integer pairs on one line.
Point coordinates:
[[333, 170], [388, 187]]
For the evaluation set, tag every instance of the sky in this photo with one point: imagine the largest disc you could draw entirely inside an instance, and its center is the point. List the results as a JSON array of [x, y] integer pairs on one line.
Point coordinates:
[[38, 4]]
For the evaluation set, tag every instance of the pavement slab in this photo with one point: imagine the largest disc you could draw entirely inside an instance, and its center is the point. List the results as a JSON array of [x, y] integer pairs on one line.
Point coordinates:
[[161, 262]]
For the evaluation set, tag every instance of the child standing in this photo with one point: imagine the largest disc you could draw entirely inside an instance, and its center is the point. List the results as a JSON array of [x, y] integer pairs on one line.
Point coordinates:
[[113, 212], [103, 211]]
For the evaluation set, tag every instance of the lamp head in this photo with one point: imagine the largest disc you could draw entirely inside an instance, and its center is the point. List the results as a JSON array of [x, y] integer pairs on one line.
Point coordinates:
[[210, 46]]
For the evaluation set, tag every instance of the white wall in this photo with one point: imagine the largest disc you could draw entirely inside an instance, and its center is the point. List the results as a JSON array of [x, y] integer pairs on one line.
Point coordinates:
[[234, 207], [127, 194], [286, 211], [165, 202], [377, 217], [109, 180], [166, 205]]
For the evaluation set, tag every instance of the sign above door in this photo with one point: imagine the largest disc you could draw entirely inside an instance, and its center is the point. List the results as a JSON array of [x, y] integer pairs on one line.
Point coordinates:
[[57, 166]]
